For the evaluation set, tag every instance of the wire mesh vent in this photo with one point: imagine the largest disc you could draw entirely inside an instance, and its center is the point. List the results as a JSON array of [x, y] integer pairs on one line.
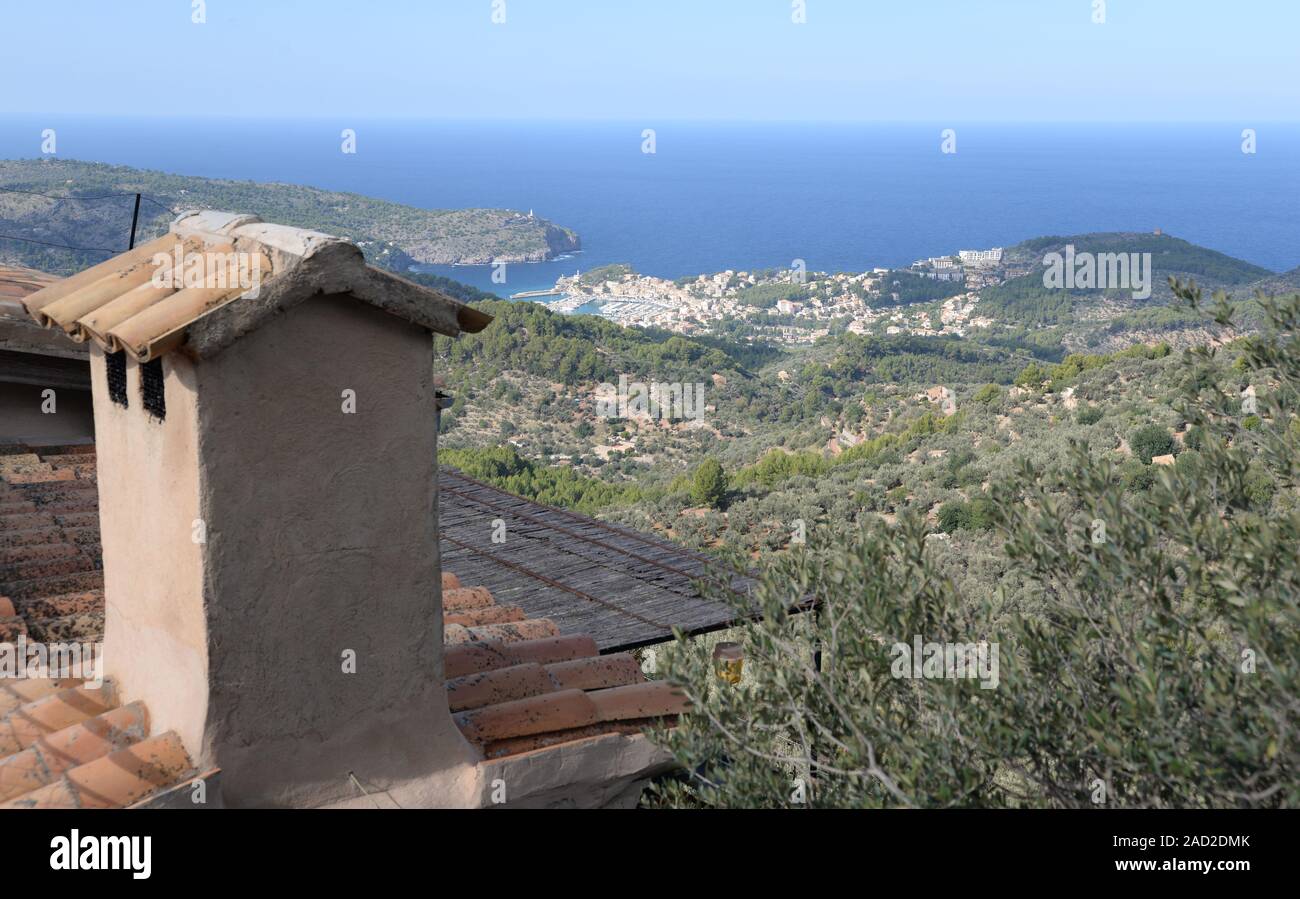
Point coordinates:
[[151, 386], [115, 365]]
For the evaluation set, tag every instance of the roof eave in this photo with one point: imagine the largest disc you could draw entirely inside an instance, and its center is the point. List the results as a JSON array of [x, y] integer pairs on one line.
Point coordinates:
[[335, 269]]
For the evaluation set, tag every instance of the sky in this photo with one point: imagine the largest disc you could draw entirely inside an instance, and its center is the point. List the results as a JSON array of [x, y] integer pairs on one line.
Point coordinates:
[[850, 60]]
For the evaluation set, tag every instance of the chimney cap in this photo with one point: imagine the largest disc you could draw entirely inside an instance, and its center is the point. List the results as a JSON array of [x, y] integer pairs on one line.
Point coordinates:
[[122, 305]]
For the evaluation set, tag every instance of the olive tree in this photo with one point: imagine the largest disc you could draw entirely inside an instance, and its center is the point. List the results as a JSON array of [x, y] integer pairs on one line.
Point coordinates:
[[1158, 665]]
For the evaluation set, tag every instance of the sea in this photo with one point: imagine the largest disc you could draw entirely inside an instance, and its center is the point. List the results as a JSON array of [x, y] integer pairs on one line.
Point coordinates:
[[683, 198]]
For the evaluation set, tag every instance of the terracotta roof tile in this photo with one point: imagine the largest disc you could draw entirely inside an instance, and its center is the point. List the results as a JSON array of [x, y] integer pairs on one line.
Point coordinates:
[[469, 658], [652, 699], [559, 710], [514, 684], [514, 631], [459, 599], [16, 281], [50, 554], [115, 780], [596, 673], [517, 745], [85, 628], [119, 305], [531, 679], [11, 628], [16, 693], [501, 685], [32, 720], [51, 755], [62, 604], [569, 709], [486, 615], [455, 634]]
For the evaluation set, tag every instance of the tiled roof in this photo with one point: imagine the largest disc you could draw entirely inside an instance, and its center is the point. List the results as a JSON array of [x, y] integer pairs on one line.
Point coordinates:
[[514, 683], [624, 588], [520, 686], [18, 333], [121, 306], [64, 744], [51, 582], [17, 282]]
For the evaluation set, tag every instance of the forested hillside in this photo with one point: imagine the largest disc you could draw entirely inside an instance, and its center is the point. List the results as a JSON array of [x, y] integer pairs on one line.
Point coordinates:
[[391, 234]]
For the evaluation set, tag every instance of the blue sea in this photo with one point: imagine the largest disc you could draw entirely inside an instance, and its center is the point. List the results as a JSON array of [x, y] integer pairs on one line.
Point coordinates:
[[743, 196]]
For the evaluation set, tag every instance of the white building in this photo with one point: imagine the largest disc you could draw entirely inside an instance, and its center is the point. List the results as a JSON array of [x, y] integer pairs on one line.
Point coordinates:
[[980, 257]]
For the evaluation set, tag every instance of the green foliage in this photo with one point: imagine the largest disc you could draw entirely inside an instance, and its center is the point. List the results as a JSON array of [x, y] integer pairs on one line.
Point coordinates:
[[1169, 255], [777, 465], [573, 350], [390, 234], [709, 484], [960, 515], [1154, 660], [1026, 301], [989, 393], [1088, 415], [908, 359], [503, 467], [953, 515], [1072, 366], [454, 289], [1068, 370], [1149, 441], [1135, 477], [1031, 376], [603, 273], [913, 288], [766, 296]]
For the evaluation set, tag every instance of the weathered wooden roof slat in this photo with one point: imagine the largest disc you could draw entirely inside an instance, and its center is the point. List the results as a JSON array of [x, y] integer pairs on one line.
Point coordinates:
[[622, 587]]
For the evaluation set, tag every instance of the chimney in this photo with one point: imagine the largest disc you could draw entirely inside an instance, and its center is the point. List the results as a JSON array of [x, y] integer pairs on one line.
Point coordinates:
[[267, 478]]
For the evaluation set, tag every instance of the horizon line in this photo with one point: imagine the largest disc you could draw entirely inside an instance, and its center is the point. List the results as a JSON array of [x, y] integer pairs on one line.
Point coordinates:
[[643, 120]]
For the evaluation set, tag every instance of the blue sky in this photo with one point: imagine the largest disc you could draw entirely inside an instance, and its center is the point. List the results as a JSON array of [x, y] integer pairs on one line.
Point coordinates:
[[853, 60]]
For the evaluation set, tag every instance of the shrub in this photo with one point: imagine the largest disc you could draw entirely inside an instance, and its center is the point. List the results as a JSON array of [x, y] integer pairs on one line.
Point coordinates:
[[1161, 660], [953, 516], [1135, 477], [959, 515], [709, 484], [1151, 440], [1032, 376]]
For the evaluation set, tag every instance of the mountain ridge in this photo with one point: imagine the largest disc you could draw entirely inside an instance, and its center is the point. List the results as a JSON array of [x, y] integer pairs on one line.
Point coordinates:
[[392, 235]]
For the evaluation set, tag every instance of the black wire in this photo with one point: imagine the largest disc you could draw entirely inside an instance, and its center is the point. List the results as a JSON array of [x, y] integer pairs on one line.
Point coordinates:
[[398, 239], [157, 203], [395, 240], [33, 193], [61, 246]]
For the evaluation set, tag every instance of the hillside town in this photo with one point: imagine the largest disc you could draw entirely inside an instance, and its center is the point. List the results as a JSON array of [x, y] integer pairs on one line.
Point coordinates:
[[792, 306]]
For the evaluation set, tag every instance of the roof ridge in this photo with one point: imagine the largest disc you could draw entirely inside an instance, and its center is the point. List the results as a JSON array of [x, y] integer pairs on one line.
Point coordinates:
[[121, 304]]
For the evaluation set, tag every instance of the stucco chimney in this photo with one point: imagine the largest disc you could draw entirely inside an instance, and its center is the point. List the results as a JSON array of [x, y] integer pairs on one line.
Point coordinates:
[[267, 476]]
